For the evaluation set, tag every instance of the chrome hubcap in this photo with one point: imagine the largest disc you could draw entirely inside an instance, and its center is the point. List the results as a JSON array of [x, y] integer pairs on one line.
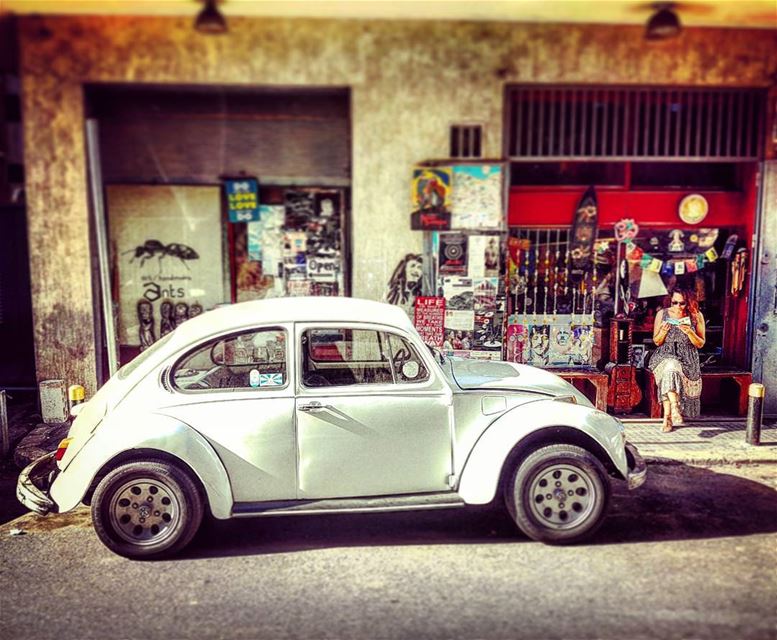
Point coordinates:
[[144, 511], [561, 496]]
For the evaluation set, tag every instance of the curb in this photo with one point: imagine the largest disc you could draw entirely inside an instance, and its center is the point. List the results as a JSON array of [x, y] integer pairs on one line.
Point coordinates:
[[711, 458]]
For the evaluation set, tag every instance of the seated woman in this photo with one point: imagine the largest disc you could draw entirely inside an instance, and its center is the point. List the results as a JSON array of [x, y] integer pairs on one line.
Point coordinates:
[[679, 333]]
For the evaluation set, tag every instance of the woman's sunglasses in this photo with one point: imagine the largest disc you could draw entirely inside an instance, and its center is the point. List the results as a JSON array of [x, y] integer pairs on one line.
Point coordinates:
[[678, 303]]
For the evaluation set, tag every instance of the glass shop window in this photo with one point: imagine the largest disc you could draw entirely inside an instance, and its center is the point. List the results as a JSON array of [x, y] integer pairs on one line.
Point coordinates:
[[358, 356], [249, 360], [296, 248], [723, 176], [167, 259], [555, 174]]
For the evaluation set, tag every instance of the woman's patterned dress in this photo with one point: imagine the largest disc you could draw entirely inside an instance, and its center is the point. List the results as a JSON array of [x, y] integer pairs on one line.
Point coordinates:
[[675, 365]]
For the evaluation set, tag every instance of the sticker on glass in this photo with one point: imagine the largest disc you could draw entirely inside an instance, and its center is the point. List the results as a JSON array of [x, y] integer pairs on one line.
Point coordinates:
[[270, 379], [253, 378]]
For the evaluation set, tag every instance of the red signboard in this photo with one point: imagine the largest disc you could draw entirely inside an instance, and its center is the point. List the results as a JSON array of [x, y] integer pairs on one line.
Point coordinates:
[[430, 318]]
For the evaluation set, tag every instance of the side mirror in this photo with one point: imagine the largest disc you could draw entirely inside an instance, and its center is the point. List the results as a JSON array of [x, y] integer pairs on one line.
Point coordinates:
[[76, 409]]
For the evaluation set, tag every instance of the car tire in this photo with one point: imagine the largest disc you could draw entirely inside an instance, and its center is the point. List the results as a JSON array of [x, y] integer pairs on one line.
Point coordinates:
[[147, 509], [534, 494]]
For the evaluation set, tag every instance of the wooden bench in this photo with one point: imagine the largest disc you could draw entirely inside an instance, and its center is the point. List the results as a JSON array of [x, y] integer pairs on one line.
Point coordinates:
[[741, 378], [595, 378]]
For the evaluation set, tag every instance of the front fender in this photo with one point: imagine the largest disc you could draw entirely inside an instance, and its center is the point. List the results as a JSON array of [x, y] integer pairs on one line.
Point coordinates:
[[481, 472], [155, 432]]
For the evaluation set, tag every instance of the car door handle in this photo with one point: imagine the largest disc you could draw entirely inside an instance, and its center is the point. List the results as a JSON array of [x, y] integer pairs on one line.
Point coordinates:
[[313, 406]]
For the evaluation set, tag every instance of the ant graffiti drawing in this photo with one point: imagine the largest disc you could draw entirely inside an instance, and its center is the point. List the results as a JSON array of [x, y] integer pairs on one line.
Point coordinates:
[[154, 248]]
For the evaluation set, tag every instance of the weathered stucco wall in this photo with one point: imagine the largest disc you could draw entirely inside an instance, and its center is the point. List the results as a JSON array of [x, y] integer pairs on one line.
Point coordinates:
[[409, 82]]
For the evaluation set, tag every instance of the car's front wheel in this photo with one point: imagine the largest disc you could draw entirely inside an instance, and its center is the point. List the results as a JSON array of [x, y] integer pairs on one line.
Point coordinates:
[[558, 494], [146, 509]]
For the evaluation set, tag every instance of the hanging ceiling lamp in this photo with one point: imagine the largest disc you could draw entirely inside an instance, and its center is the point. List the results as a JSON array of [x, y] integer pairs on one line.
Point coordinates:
[[664, 23], [210, 19]]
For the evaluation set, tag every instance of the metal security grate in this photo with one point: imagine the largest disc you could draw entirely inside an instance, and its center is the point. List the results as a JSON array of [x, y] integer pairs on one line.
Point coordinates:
[[466, 141], [655, 123]]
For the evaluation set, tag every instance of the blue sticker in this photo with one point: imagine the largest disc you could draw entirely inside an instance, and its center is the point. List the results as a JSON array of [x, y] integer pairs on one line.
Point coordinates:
[[254, 378], [242, 199], [270, 379]]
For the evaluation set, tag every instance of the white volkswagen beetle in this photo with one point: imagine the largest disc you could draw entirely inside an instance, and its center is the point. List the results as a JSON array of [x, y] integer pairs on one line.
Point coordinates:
[[322, 405]]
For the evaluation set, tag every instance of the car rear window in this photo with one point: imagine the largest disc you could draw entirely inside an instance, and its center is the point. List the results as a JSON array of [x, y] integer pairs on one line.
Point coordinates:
[[247, 360]]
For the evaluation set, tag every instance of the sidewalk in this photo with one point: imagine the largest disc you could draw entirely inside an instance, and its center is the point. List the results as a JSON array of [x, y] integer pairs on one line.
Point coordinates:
[[714, 440], [708, 442]]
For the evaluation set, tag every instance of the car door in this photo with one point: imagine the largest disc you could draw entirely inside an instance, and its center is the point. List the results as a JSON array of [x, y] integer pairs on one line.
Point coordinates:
[[373, 414], [236, 391]]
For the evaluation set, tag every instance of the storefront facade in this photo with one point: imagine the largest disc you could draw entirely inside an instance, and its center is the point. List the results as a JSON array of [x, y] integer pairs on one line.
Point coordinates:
[[407, 83]]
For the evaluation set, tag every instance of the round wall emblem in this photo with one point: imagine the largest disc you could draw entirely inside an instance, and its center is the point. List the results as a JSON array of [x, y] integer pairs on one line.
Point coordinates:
[[693, 208]]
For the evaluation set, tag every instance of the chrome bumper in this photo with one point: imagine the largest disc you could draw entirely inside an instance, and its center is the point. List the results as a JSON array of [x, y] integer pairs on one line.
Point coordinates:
[[34, 482], [637, 467]]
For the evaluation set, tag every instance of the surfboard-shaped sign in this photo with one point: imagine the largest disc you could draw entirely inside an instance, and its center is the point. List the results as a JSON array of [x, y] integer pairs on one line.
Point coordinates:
[[583, 235]]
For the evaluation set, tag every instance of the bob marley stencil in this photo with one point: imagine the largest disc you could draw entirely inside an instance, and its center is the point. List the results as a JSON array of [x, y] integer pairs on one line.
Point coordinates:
[[406, 282]]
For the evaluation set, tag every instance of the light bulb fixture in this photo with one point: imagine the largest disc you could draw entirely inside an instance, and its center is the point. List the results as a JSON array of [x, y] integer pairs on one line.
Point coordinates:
[[210, 20], [664, 23]]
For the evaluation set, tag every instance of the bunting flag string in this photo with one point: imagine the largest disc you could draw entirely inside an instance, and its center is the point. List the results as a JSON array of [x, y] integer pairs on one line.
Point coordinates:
[[668, 267]]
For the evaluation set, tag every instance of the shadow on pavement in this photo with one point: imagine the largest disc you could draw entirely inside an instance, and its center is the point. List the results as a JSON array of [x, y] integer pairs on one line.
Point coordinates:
[[10, 507], [678, 502], [682, 502]]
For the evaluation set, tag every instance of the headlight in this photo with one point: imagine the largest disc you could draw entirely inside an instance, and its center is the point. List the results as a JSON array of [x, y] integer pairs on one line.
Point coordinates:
[[570, 399]]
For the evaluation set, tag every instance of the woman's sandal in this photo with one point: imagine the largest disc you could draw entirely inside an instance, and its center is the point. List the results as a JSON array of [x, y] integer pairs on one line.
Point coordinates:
[[666, 427], [677, 417]]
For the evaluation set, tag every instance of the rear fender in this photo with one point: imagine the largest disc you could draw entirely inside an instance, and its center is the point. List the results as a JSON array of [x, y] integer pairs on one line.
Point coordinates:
[[153, 433], [484, 465]]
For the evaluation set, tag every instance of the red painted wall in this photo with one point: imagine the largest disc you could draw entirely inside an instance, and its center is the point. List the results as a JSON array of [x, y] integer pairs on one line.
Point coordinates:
[[549, 206]]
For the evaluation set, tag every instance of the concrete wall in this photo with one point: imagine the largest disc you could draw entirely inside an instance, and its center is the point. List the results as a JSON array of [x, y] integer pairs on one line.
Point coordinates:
[[765, 315], [409, 82]]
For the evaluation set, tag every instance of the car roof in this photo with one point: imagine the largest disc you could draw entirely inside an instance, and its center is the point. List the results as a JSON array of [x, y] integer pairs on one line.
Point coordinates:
[[296, 309]]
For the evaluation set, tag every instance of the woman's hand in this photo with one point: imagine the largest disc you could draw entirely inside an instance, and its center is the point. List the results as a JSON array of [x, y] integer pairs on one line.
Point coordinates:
[[696, 340], [687, 330]]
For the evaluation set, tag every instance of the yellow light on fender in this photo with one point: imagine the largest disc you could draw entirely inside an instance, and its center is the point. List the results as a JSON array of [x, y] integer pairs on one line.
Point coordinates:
[[61, 448], [570, 399]]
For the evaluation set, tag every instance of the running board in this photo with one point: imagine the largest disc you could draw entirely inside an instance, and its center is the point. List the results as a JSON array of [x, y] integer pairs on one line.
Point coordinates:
[[348, 505]]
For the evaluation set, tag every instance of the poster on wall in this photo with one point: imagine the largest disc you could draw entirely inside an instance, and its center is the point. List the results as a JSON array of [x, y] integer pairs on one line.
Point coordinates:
[[477, 196], [166, 252], [271, 238], [242, 199], [429, 319], [300, 207], [453, 254], [431, 198], [563, 341], [483, 256]]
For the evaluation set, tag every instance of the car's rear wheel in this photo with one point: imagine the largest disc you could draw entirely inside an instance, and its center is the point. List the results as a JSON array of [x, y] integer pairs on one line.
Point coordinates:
[[147, 509], [558, 494]]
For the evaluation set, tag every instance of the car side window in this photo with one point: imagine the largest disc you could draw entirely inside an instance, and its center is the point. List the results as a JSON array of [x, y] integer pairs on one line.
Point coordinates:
[[336, 357], [247, 360], [408, 366]]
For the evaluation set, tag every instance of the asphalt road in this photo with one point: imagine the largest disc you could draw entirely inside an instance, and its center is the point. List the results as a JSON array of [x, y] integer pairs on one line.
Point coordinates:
[[693, 554]]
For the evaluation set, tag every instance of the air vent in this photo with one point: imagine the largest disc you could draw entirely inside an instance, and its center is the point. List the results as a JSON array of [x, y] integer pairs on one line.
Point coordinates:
[[655, 123], [466, 141]]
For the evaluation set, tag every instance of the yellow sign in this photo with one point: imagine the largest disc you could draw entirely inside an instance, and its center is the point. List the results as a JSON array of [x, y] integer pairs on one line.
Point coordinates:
[[693, 208]]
